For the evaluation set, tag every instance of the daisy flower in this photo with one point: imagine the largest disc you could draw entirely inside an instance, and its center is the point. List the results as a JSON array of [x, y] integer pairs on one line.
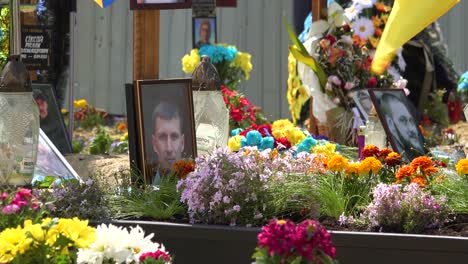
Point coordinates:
[[353, 11], [363, 28], [366, 3]]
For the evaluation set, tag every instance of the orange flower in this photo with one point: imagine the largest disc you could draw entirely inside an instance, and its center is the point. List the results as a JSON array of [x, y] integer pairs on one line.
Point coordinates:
[[369, 165], [352, 168], [383, 153], [370, 151], [335, 53], [393, 159], [376, 21], [358, 41], [182, 168], [374, 42], [337, 163], [404, 172], [122, 127], [425, 165], [424, 131], [378, 32], [381, 7], [420, 180]]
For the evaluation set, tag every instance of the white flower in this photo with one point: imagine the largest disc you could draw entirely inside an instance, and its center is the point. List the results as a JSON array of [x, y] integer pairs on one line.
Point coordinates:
[[353, 11], [118, 245], [365, 3], [347, 39], [364, 28]]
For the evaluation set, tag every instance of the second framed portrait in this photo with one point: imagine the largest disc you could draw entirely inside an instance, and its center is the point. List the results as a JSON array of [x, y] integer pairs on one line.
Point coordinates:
[[165, 125], [204, 31]]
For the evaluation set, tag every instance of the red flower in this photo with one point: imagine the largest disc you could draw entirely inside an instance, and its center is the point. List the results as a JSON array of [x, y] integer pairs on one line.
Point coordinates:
[[228, 92], [278, 237], [372, 82], [156, 255], [283, 141], [236, 114], [265, 130]]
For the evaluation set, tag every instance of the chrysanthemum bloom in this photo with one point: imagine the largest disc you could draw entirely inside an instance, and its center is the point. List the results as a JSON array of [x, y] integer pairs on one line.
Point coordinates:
[[462, 167], [393, 159], [352, 168], [404, 172], [424, 165], [337, 163], [369, 165], [370, 151], [281, 124]]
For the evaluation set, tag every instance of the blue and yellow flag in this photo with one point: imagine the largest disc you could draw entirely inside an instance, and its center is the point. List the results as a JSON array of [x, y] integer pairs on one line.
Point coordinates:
[[104, 3]]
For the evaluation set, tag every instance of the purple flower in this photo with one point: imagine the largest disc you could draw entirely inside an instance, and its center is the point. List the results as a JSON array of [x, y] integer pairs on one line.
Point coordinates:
[[236, 208]]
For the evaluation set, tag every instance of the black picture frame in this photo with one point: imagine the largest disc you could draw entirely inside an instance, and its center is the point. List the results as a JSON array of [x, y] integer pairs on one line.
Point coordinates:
[[396, 113], [363, 102], [51, 118], [152, 4], [133, 147], [196, 24], [149, 94]]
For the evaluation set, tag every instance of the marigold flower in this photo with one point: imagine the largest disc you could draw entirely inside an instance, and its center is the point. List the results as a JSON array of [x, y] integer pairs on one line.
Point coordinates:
[[369, 165], [420, 180], [404, 172], [425, 165], [337, 163], [352, 168], [80, 103], [381, 7], [122, 127], [182, 168], [462, 167], [383, 153], [393, 159], [370, 151]]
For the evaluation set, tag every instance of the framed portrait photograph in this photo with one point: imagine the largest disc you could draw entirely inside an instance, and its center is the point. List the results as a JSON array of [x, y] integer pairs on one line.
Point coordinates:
[[50, 162], [160, 4], [363, 102], [51, 117], [204, 31], [401, 126], [165, 125]]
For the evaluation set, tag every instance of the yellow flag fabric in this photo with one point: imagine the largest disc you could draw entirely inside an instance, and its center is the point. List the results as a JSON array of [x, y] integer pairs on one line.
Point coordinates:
[[407, 19]]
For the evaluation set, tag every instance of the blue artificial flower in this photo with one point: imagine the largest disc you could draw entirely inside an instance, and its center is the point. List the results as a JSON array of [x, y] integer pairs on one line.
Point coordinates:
[[463, 82], [319, 137], [267, 143], [306, 144], [243, 142], [253, 138], [218, 53], [37, 178], [236, 132]]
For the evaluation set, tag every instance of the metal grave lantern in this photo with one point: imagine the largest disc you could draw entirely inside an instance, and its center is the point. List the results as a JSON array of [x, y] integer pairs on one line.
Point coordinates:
[[211, 114]]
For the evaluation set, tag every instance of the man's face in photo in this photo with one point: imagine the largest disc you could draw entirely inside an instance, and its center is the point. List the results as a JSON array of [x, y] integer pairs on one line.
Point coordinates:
[[168, 141], [205, 32], [43, 108]]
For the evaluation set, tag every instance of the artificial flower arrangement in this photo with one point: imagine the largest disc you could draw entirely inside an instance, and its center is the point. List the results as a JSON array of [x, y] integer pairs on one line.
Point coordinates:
[[297, 94], [88, 116], [74, 241], [242, 113], [283, 241], [17, 206], [232, 65]]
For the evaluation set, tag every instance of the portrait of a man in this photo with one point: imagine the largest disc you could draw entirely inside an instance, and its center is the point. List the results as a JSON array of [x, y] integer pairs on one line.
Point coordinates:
[[204, 32], [167, 123], [401, 124]]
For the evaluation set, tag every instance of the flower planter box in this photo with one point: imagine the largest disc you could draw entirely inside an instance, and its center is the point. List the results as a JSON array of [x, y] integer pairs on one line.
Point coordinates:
[[192, 244]]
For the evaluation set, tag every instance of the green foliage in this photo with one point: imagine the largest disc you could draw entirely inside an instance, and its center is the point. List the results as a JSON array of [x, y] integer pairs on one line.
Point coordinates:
[[455, 189], [77, 146], [338, 193], [101, 143], [4, 35], [160, 202]]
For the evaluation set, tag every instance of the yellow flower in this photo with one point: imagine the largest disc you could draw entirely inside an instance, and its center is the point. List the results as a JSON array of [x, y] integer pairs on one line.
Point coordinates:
[[292, 64], [337, 163], [13, 241], [281, 222], [328, 150], [294, 135], [124, 137], [64, 111], [234, 143], [190, 62], [281, 124], [77, 231], [80, 103], [352, 168], [462, 167], [36, 232], [370, 164], [242, 60]]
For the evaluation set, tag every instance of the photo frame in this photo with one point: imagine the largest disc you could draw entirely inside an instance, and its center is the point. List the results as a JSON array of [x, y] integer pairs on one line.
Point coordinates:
[[401, 126], [51, 117], [363, 102], [133, 147], [160, 4], [203, 31], [50, 162], [165, 125]]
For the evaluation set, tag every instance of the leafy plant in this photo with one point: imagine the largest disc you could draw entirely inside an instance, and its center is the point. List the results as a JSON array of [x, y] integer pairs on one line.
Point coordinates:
[[160, 202], [77, 146], [101, 143], [455, 190]]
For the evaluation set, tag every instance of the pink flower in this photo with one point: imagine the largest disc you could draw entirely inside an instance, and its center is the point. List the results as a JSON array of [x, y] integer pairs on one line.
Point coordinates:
[[336, 100], [335, 80], [10, 209], [156, 255], [348, 85], [4, 196]]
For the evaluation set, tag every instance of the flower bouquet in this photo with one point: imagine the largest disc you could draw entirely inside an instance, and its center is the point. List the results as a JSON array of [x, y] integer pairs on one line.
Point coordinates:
[[232, 65]]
